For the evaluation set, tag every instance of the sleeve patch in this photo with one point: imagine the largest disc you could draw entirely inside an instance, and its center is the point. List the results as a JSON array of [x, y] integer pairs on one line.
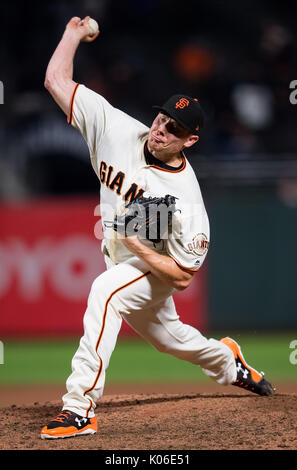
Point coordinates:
[[199, 244]]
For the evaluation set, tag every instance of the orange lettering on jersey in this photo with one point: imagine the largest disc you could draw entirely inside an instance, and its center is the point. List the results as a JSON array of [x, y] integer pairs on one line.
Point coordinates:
[[182, 103], [133, 192], [117, 182], [102, 173]]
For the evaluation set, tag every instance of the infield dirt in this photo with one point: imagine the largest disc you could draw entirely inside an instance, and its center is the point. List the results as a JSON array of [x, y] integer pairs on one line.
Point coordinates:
[[209, 420]]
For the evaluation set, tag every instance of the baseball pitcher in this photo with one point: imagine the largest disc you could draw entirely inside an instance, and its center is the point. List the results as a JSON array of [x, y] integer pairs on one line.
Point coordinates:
[[156, 237]]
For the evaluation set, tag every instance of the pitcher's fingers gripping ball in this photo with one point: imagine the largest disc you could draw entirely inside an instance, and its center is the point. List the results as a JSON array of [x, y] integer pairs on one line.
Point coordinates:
[[93, 26], [93, 29]]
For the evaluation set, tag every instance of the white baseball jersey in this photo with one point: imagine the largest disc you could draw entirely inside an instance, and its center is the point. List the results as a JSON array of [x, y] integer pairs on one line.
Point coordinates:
[[125, 168], [127, 289]]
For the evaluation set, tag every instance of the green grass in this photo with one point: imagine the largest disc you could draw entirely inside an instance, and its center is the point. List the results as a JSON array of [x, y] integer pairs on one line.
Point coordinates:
[[49, 361]]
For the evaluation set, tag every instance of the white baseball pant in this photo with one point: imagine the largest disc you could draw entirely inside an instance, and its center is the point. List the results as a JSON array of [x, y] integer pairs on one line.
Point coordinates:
[[129, 291]]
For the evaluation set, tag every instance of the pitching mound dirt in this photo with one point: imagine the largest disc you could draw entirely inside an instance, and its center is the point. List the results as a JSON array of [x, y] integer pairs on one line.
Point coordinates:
[[196, 421]]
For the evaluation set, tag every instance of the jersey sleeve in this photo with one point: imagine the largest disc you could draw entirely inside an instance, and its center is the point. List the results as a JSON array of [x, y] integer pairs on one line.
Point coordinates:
[[91, 114], [188, 240]]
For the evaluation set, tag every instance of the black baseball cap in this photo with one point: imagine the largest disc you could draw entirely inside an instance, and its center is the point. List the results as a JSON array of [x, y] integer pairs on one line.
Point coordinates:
[[185, 110]]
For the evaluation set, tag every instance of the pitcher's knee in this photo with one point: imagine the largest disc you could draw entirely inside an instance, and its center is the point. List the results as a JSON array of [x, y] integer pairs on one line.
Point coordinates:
[[173, 343], [170, 349], [161, 347]]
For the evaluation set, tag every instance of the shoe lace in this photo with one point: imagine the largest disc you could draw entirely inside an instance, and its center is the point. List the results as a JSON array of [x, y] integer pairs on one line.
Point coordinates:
[[62, 416]]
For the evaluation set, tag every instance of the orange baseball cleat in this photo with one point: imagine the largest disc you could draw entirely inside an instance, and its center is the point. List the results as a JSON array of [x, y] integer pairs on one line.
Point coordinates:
[[69, 424], [247, 377]]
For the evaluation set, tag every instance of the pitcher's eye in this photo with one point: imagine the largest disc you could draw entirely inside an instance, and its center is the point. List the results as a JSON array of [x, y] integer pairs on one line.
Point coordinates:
[[172, 128]]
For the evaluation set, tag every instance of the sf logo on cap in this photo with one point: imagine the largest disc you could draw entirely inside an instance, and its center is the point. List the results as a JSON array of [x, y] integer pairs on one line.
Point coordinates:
[[182, 103]]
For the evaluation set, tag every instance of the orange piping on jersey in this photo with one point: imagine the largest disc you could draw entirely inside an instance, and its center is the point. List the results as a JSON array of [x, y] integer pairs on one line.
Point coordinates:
[[70, 115], [171, 171], [184, 163], [189, 270], [102, 330]]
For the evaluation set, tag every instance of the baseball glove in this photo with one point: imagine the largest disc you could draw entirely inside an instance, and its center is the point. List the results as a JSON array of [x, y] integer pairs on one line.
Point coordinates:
[[146, 217]]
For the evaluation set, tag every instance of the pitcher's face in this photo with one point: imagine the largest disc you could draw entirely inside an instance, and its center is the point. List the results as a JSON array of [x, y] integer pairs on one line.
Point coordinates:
[[168, 136]]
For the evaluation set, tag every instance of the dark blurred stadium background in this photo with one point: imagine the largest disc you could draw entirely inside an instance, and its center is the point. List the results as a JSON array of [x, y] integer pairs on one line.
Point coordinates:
[[239, 59]]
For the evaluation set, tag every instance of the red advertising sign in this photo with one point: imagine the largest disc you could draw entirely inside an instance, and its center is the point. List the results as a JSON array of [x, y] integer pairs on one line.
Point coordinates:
[[49, 257]]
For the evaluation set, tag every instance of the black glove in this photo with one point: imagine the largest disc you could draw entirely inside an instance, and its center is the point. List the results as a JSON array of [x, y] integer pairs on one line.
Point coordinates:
[[147, 217]]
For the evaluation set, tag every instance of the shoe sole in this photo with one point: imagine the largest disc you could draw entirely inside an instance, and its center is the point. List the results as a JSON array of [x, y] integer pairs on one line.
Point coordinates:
[[61, 436]]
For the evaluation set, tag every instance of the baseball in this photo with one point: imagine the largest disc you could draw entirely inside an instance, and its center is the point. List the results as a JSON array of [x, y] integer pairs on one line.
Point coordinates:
[[93, 26]]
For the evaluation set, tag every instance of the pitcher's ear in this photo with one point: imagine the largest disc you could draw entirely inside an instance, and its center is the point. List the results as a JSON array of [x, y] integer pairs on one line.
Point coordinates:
[[193, 139]]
